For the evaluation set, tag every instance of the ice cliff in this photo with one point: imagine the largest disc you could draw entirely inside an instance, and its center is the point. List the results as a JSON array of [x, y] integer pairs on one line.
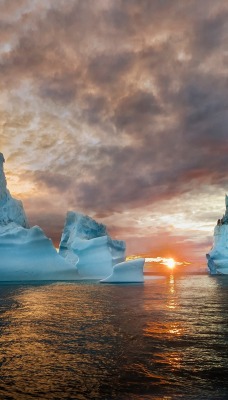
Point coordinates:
[[218, 255], [26, 253], [87, 245], [11, 210]]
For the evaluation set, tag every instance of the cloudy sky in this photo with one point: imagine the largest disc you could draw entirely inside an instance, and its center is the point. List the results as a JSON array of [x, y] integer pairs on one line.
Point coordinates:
[[118, 109]]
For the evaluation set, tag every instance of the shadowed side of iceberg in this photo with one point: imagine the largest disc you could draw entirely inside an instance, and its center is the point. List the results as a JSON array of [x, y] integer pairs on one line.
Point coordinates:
[[127, 272], [217, 257], [217, 265], [85, 243]]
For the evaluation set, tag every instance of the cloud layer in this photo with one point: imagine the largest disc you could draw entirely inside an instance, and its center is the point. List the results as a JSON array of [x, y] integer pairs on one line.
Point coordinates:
[[114, 107]]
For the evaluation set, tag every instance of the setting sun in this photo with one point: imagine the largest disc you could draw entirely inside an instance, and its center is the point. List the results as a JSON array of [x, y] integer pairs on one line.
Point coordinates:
[[170, 263]]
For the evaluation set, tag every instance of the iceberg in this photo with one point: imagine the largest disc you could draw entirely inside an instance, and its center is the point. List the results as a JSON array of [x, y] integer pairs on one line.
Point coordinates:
[[86, 245], [26, 254], [217, 258], [86, 250], [127, 272]]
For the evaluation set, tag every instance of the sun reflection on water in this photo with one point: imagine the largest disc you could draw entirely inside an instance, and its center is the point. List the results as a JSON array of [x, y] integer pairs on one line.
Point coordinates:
[[165, 328], [172, 297], [168, 328]]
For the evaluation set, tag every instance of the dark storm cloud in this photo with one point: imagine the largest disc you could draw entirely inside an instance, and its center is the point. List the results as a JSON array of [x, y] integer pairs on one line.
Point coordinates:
[[146, 82], [51, 180], [94, 107], [105, 69], [211, 33], [59, 89], [135, 110]]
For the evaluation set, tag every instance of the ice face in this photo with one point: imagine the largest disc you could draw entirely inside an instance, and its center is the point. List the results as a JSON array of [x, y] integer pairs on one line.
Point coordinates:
[[11, 210], [128, 272], [86, 244], [94, 257]]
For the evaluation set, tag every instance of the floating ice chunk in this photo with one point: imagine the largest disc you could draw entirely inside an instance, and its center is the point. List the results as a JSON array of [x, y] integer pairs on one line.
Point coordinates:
[[128, 272]]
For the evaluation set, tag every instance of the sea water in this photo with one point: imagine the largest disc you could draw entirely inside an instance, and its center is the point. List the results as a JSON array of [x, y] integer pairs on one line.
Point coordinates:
[[165, 339]]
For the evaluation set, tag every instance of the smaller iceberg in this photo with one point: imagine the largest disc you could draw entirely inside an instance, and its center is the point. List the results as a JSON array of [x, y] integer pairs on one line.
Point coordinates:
[[127, 272], [86, 245], [217, 258]]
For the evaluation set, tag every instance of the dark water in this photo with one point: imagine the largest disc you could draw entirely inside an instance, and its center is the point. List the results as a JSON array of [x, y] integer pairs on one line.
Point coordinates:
[[166, 339]]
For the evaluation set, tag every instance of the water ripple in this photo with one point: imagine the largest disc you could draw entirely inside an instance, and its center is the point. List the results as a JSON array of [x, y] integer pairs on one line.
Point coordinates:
[[166, 339]]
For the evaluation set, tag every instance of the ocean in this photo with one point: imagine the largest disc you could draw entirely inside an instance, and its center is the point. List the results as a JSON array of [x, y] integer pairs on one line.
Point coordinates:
[[164, 339]]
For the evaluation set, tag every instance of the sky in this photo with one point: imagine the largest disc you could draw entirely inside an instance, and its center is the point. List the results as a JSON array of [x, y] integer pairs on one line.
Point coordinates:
[[118, 109]]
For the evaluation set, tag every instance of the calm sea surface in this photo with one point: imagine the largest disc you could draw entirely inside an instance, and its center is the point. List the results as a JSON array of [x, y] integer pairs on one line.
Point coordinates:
[[166, 339]]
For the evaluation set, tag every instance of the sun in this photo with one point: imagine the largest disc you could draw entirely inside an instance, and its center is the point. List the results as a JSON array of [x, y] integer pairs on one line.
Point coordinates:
[[170, 263]]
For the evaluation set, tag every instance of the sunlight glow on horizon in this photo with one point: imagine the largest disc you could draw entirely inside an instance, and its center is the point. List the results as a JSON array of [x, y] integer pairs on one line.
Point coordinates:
[[170, 263], [162, 261]]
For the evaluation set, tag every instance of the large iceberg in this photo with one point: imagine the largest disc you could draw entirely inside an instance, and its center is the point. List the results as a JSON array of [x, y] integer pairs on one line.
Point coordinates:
[[217, 258], [86, 244], [127, 272], [86, 249], [26, 253]]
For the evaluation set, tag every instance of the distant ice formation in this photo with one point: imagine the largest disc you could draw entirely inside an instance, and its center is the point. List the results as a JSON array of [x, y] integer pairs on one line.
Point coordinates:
[[218, 255], [86, 244], [127, 272], [26, 253]]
